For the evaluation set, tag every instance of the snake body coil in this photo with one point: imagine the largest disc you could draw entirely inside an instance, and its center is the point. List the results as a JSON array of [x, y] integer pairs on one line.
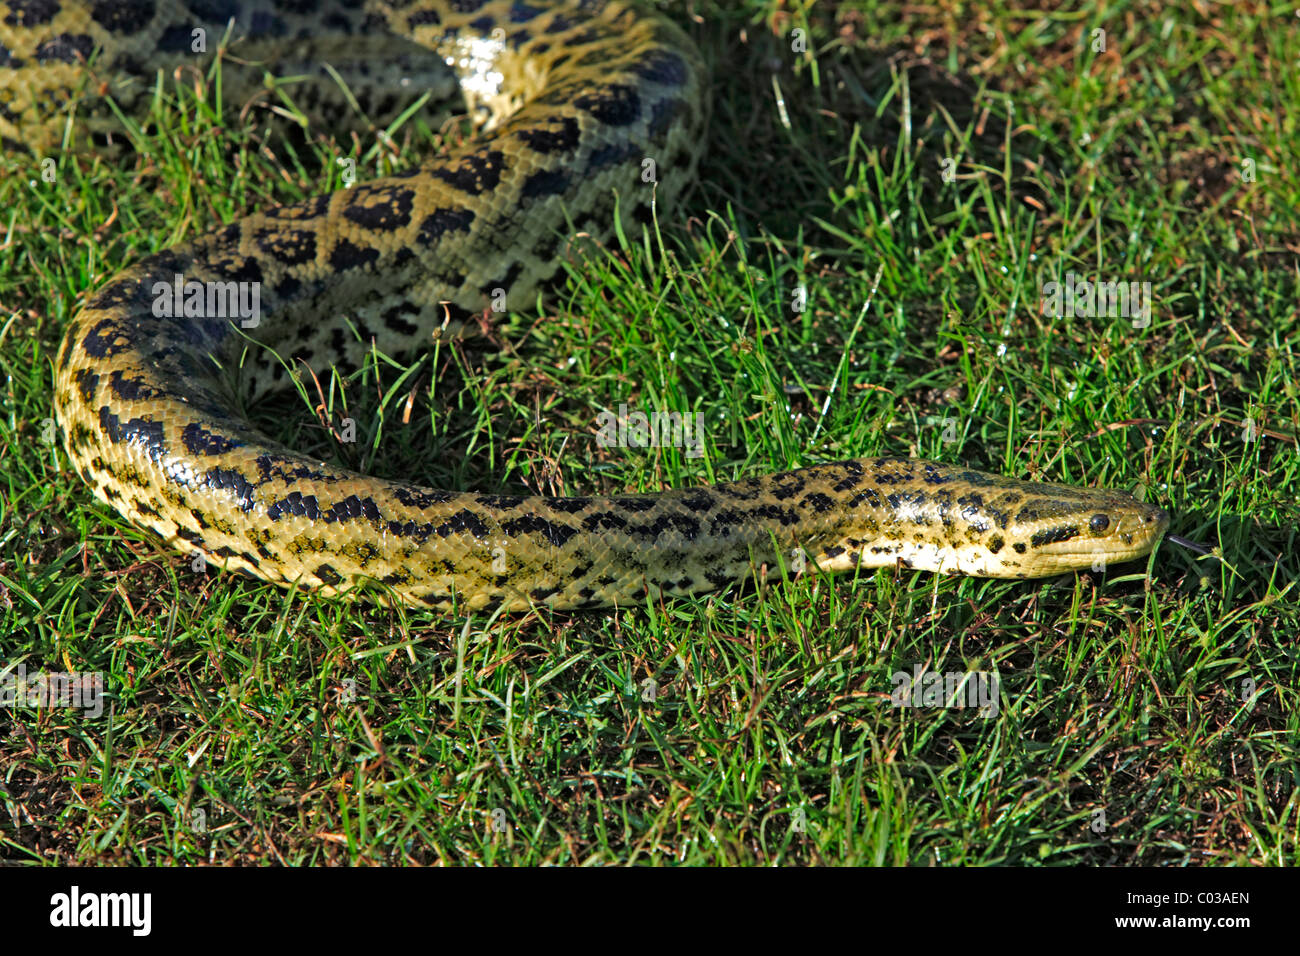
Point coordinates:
[[577, 96]]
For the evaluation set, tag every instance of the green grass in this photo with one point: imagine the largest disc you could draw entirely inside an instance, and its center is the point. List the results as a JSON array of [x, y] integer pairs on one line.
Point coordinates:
[[1148, 715]]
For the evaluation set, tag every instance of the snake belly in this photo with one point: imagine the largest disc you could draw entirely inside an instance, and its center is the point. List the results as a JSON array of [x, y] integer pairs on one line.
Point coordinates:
[[579, 95]]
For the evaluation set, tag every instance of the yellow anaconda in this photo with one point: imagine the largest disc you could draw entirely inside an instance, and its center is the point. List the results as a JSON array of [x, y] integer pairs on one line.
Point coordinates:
[[577, 97]]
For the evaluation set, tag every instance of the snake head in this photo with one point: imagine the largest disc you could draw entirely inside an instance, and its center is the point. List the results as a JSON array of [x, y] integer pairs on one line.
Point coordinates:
[[1105, 528]]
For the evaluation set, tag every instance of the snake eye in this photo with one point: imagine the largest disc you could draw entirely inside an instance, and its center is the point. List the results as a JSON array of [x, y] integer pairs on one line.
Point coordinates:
[[1099, 523]]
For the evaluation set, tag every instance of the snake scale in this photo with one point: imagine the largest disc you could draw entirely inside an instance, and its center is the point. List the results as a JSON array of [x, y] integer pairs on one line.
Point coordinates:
[[573, 98]]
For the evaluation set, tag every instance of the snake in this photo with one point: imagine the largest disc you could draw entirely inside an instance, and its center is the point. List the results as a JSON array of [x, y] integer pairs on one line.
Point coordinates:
[[571, 99]]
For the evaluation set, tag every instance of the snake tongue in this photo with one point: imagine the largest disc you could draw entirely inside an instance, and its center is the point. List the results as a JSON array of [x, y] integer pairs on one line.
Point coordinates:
[[1190, 545]]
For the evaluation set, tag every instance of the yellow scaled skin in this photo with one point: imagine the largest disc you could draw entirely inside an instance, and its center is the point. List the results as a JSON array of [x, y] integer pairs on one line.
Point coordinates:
[[573, 103]]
